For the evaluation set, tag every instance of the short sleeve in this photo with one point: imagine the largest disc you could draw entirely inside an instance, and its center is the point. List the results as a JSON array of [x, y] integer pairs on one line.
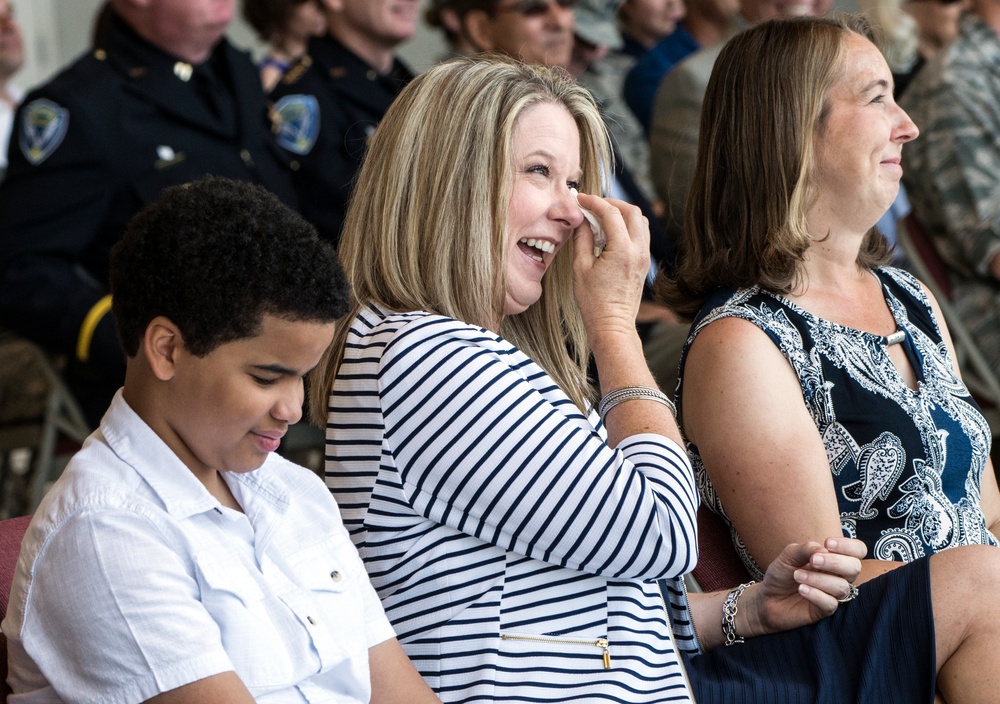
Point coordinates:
[[112, 612]]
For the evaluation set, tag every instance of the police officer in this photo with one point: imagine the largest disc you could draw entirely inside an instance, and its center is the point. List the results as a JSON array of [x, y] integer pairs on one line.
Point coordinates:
[[163, 99], [328, 104]]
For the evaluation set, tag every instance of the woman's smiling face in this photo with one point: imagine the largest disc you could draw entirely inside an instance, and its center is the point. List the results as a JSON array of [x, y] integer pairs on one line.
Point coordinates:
[[543, 212]]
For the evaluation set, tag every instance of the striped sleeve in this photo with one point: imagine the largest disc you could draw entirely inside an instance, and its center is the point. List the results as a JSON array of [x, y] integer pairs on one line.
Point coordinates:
[[483, 450]]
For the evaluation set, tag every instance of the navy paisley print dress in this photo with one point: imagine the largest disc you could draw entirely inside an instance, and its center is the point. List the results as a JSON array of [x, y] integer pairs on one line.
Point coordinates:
[[907, 465]]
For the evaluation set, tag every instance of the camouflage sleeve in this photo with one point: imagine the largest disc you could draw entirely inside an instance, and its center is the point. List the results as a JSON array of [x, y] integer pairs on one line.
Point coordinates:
[[957, 160]]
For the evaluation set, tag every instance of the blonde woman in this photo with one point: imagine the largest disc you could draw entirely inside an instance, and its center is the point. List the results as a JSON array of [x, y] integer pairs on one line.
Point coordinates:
[[515, 534]]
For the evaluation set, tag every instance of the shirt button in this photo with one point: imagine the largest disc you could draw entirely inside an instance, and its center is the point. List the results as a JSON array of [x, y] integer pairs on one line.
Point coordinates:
[[371, 75], [311, 620], [336, 576]]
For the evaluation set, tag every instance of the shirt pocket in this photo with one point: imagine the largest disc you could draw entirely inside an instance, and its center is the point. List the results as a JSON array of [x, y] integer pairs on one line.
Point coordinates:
[[243, 612], [579, 652], [332, 582]]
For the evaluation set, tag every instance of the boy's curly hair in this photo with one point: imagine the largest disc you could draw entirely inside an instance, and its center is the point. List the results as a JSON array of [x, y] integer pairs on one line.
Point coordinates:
[[214, 256]]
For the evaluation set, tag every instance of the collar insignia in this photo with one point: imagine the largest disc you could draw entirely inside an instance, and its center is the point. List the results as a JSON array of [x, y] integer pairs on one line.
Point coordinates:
[[183, 71], [166, 156]]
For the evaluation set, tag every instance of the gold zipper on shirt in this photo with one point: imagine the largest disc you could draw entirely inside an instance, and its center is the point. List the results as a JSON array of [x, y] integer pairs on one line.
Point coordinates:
[[602, 643]]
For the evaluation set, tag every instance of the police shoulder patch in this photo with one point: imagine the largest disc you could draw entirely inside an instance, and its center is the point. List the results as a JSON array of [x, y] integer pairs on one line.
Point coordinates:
[[297, 123], [43, 127]]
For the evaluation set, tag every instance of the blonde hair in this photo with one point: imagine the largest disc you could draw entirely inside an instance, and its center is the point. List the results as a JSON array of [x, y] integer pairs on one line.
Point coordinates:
[[745, 222], [427, 225]]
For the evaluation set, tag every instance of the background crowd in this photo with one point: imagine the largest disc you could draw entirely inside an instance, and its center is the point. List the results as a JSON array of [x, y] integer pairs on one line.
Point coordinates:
[[819, 389]]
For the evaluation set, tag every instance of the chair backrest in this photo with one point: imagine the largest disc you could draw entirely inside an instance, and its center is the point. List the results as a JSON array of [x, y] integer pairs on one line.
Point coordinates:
[[719, 567], [11, 534]]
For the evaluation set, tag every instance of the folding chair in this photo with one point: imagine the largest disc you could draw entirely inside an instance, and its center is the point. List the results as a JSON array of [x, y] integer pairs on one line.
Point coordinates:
[[39, 417], [933, 271]]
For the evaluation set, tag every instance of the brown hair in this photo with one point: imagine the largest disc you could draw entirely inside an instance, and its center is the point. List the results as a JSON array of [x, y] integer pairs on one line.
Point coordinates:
[[745, 222], [269, 17]]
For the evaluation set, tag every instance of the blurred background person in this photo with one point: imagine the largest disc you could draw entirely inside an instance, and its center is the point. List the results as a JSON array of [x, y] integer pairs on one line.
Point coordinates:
[[164, 99], [641, 24], [644, 23], [595, 35], [953, 172], [11, 59], [596, 63], [705, 24], [535, 31], [286, 27], [100, 25], [330, 102], [673, 136], [441, 15], [914, 31], [673, 146]]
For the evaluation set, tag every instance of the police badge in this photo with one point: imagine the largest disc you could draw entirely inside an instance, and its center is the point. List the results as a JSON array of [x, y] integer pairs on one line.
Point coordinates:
[[298, 123], [43, 127]]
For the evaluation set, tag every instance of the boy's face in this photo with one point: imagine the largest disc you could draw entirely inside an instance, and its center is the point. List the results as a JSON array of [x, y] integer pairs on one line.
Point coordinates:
[[229, 409]]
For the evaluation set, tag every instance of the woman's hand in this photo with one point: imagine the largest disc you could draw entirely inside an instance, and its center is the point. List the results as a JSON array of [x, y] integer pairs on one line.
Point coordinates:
[[801, 586], [608, 288]]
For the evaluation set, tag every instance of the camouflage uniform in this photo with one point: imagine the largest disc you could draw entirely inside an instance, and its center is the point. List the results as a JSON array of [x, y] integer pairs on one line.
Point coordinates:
[[952, 172]]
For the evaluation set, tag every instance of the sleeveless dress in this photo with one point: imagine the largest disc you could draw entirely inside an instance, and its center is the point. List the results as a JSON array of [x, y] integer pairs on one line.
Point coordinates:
[[907, 465]]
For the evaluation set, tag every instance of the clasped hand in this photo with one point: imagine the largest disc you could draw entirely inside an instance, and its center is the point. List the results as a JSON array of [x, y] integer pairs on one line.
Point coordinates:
[[803, 585]]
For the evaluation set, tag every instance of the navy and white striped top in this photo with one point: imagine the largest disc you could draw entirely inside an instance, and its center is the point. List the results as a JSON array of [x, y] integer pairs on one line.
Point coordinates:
[[514, 551]]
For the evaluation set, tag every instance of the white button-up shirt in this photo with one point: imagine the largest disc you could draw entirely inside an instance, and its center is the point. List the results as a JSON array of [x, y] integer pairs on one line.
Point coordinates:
[[133, 580]]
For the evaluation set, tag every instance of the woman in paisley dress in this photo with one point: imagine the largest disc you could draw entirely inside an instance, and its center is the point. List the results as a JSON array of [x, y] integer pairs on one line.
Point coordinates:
[[819, 388]]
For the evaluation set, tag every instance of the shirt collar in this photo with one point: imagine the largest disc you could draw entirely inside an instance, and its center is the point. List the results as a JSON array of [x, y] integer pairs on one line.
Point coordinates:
[[330, 53], [182, 494], [140, 56]]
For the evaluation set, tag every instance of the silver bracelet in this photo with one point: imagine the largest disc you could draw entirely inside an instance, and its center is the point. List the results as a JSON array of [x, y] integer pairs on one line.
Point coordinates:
[[729, 610], [631, 393]]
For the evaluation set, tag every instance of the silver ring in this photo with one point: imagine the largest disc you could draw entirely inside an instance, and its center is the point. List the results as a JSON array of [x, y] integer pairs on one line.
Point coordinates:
[[852, 591]]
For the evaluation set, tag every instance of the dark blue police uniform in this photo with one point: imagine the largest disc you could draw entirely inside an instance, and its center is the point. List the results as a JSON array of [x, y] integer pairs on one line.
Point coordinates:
[[88, 150], [326, 108]]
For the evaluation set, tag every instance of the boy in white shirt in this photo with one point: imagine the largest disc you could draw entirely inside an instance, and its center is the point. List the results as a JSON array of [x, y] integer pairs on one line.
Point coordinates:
[[178, 559]]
